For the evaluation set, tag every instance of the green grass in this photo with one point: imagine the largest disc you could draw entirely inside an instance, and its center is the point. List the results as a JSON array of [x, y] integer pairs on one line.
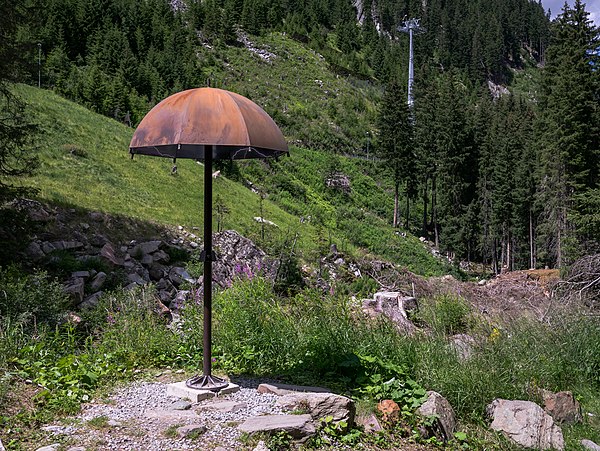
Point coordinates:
[[85, 164], [107, 180], [315, 107], [309, 339]]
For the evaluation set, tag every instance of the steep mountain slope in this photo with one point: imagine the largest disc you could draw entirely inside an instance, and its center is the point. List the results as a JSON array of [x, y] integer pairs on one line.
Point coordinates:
[[85, 164]]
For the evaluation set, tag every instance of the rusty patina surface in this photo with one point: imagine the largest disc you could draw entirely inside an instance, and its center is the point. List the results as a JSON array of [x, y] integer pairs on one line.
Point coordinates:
[[185, 124]]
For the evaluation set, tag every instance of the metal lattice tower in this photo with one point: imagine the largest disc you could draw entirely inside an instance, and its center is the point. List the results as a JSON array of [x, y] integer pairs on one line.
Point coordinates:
[[412, 27]]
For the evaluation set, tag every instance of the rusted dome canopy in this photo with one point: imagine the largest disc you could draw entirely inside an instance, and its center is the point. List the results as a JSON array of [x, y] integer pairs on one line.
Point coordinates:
[[185, 124]]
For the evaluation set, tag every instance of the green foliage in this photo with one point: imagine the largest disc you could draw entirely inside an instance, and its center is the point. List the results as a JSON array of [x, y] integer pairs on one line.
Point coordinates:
[[447, 314], [381, 379], [280, 441], [67, 375], [31, 299]]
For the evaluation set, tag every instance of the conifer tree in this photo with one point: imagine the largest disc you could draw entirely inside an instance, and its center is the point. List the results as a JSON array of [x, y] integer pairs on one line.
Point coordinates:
[[395, 143], [568, 132]]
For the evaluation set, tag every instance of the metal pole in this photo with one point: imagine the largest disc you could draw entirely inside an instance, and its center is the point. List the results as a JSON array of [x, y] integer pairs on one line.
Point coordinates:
[[39, 64], [411, 70], [207, 381], [208, 150]]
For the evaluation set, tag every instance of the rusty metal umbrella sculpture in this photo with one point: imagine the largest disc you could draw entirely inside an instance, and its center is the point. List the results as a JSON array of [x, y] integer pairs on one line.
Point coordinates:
[[208, 124]]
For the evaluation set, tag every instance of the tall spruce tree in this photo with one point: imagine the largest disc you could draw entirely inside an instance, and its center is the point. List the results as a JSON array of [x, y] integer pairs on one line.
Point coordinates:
[[16, 130], [568, 132], [395, 143]]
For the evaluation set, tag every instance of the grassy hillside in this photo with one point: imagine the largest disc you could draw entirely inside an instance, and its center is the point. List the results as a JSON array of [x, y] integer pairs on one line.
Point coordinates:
[[314, 106], [85, 163]]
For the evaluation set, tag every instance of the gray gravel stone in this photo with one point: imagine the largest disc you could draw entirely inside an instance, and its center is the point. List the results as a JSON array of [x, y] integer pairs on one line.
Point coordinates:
[[145, 411], [181, 405]]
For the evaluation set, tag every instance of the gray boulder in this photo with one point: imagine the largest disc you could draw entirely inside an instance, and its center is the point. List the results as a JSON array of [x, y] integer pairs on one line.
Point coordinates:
[[108, 253], [191, 430], [34, 251], [297, 426], [321, 405], [438, 406], [463, 345], [149, 247], [526, 424], [178, 275], [98, 281], [588, 444], [75, 289], [91, 301]]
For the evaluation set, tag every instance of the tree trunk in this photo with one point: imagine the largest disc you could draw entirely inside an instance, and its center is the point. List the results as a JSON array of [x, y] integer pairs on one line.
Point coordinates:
[[425, 201], [531, 256], [434, 212], [396, 189], [495, 256], [407, 211]]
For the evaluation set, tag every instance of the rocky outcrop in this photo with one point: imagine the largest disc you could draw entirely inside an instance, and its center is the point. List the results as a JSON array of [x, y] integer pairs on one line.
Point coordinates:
[[526, 424]]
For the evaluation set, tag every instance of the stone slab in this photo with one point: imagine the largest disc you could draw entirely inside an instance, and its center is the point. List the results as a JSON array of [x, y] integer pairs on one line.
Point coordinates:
[[222, 406], [298, 426], [180, 390], [285, 389]]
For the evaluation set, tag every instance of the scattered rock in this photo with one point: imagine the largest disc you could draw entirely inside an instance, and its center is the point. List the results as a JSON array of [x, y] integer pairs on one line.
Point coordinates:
[[238, 256], [75, 289], [53, 447], [370, 423], [191, 430], [339, 181], [136, 278], [98, 240], [181, 405], [177, 275], [77, 448], [91, 301], [108, 253], [321, 405], [526, 424], [161, 257], [463, 346], [82, 274], [96, 216], [222, 406], [284, 389], [298, 426], [262, 446], [34, 251], [445, 422], [114, 424], [588, 444], [149, 247], [67, 245], [562, 407], [98, 281]]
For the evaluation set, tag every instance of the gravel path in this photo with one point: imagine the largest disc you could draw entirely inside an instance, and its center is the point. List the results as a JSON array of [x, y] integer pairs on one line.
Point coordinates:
[[142, 416]]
